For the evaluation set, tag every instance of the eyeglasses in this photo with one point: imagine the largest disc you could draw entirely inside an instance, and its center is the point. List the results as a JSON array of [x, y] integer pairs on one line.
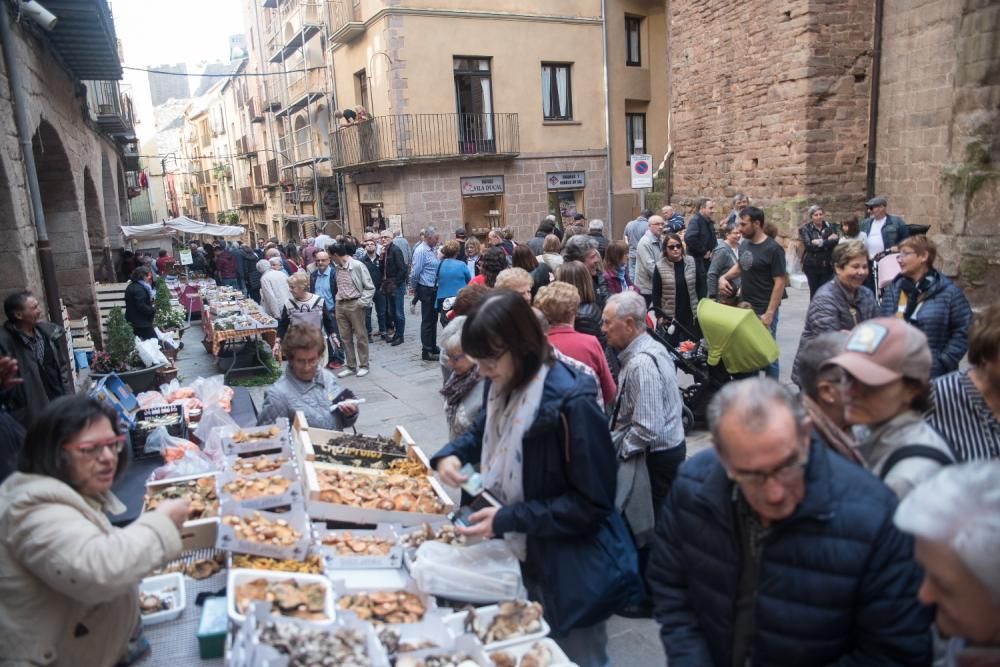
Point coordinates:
[[674, 246], [490, 363], [455, 358], [786, 473], [906, 253], [92, 449]]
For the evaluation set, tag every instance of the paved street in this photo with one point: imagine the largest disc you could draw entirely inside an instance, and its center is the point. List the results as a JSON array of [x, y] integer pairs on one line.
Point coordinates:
[[402, 389]]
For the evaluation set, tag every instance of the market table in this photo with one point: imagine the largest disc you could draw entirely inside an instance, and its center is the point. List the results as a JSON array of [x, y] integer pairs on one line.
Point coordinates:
[[216, 341]]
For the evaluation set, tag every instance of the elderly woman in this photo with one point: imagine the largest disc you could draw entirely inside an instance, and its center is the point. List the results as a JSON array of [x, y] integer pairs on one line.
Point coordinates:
[[584, 249], [463, 390], [307, 386], [304, 308], [725, 254], [68, 578], [930, 302], [967, 402], [492, 263], [955, 518], [139, 309], [551, 252], [588, 313], [516, 280], [555, 507], [558, 302], [842, 303], [473, 252], [541, 274], [452, 275], [675, 286], [274, 292], [886, 389], [616, 267], [818, 238]]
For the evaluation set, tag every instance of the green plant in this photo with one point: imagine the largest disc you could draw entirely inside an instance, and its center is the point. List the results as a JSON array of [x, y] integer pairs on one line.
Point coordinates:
[[166, 316], [120, 344], [233, 217]]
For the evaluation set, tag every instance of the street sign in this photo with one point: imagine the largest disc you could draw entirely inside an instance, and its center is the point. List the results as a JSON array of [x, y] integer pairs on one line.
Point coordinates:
[[642, 171]]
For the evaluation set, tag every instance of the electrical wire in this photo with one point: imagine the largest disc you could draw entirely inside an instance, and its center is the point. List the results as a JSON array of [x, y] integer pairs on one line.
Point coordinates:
[[223, 74]]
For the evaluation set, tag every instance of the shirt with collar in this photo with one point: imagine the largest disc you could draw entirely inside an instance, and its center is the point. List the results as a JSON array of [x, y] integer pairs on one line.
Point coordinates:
[[425, 264], [649, 400], [323, 286]]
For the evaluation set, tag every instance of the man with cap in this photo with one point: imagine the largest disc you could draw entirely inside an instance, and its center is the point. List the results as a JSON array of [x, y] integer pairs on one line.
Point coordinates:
[[460, 237], [884, 231], [886, 389], [596, 230]]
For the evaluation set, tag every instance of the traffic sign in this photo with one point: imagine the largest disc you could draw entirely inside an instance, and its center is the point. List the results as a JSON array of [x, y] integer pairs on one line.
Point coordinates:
[[642, 171]]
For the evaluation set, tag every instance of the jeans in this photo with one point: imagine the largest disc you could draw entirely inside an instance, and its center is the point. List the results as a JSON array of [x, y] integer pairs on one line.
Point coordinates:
[[631, 268], [662, 467], [772, 371], [396, 309], [427, 296], [701, 276], [816, 278], [380, 303], [231, 282], [587, 647]]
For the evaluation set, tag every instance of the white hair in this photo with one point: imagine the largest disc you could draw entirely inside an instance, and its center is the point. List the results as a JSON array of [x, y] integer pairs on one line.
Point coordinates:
[[960, 507], [630, 305], [276, 263], [263, 265], [451, 335]]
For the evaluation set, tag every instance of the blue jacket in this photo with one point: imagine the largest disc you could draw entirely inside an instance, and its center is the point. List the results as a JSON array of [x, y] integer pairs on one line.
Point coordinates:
[[944, 316], [837, 585], [561, 499], [452, 276], [893, 231]]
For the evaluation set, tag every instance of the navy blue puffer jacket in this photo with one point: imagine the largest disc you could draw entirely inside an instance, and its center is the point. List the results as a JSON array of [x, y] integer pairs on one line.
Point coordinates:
[[837, 584], [944, 315]]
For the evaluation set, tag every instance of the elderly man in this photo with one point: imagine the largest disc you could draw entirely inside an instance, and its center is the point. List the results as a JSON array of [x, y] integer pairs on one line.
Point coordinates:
[[773, 550], [353, 291], [423, 278], [595, 230], [740, 202], [583, 248], [634, 231], [955, 518], [393, 265], [274, 292], [647, 253], [673, 221], [537, 242], [883, 231]]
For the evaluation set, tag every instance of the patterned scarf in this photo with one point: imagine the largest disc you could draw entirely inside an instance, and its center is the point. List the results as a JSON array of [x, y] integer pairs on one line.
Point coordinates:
[[456, 389]]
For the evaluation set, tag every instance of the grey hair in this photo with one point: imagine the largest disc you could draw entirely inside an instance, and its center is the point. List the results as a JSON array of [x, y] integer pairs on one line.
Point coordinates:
[[263, 266], [738, 196], [578, 246], [550, 218], [813, 354], [451, 336], [960, 507], [753, 399], [812, 209], [629, 305], [729, 226], [276, 263]]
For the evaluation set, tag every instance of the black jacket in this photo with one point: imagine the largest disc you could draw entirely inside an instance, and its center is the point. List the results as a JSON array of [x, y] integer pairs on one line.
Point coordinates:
[[588, 321], [602, 241], [39, 383], [837, 584], [374, 269], [700, 235], [139, 309], [396, 270], [250, 272]]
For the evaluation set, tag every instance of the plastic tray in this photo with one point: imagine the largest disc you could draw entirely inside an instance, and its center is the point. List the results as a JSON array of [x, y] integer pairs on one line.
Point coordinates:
[[559, 657], [455, 623], [392, 560], [237, 577], [156, 585]]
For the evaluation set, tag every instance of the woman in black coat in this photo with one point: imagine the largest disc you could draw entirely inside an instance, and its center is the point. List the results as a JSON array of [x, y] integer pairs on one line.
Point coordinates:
[[139, 309]]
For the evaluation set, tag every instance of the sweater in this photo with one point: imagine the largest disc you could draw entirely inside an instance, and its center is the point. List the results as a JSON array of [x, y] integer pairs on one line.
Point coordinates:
[[587, 349]]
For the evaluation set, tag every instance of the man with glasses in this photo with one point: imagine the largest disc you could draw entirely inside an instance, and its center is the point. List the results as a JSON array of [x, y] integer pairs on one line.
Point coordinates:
[[774, 550], [646, 254]]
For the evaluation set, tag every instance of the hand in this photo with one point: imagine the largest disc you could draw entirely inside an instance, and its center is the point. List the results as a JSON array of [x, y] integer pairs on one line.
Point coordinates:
[[726, 287], [708, 255], [480, 524], [833, 237], [817, 242], [894, 248], [449, 470], [176, 510], [348, 409], [276, 351], [766, 319], [8, 372]]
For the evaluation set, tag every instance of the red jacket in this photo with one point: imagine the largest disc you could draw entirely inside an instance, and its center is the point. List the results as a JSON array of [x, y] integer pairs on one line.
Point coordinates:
[[225, 265], [586, 349]]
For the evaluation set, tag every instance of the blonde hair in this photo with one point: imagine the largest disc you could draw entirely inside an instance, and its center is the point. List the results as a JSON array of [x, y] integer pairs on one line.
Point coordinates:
[[558, 301], [513, 276], [299, 279]]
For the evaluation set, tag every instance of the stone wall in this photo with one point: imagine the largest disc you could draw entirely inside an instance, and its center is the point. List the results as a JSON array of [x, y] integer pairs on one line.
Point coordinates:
[[771, 99], [938, 144]]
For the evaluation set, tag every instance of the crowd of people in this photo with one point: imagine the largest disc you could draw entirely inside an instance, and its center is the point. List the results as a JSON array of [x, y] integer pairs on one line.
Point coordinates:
[[851, 517]]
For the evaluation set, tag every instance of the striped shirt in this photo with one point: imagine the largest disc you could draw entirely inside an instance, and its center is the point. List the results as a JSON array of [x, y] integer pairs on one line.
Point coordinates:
[[963, 418], [650, 400]]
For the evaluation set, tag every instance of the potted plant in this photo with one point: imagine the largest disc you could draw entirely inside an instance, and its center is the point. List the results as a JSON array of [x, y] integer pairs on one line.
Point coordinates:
[[166, 318], [120, 356]]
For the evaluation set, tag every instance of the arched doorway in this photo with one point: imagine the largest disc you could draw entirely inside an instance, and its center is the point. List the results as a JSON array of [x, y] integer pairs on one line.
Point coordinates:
[[65, 224], [14, 276], [97, 236]]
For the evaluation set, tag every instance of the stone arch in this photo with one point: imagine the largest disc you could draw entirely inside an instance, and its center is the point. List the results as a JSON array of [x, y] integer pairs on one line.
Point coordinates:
[[65, 224], [97, 235], [112, 216], [13, 277]]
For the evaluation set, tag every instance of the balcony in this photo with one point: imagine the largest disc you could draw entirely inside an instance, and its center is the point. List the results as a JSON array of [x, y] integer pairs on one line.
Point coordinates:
[[197, 200], [130, 157], [111, 109], [256, 115], [345, 27], [245, 147], [298, 22], [266, 175], [399, 140], [85, 38], [250, 197]]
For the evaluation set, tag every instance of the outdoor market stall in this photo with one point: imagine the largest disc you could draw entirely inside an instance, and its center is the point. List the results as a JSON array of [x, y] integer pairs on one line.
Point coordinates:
[[229, 318], [331, 544]]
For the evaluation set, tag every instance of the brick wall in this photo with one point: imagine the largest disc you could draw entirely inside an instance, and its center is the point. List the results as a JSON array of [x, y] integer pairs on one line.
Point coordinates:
[[771, 99], [939, 114]]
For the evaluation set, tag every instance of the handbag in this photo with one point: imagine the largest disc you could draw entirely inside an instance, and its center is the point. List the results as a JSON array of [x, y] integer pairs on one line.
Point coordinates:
[[584, 580]]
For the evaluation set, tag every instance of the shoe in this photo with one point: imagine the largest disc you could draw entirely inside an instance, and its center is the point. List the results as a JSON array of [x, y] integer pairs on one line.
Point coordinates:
[[371, 338], [396, 341], [384, 336], [362, 372], [390, 334], [429, 356], [644, 610], [334, 365], [344, 373]]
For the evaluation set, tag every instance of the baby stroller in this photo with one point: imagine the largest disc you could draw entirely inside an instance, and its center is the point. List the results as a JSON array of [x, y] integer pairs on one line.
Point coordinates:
[[885, 266], [734, 344]]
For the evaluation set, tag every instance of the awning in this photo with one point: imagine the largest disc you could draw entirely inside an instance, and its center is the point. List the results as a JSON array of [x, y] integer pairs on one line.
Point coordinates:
[[181, 224]]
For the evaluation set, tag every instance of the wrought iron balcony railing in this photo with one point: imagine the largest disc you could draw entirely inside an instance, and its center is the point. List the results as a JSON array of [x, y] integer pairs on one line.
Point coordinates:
[[390, 140], [111, 108]]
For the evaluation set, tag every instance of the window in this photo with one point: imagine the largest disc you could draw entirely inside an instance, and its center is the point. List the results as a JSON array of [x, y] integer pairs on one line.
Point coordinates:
[[557, 93], [633, 43], [361, 90], [635, 134]]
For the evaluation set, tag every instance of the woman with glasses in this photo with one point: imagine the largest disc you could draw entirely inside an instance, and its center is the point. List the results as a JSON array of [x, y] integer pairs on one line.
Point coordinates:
[[886, 389], [545, 452], [725, 255], [463, 389], [674, 286], [68, 578]]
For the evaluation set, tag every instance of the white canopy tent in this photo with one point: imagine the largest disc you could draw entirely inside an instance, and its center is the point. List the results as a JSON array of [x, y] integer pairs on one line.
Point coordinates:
[[181, 224]]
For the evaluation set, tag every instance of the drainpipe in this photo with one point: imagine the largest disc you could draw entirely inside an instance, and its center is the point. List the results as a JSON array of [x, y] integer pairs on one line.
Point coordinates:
[[873, 104], [607, 115], [45, 261]]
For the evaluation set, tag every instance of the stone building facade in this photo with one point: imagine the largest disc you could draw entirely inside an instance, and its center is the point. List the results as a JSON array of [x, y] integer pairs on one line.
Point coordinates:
[[775, 100], [81, 174]]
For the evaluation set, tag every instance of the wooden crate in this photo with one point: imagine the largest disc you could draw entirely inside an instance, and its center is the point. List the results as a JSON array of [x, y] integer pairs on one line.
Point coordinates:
[[109, 295]]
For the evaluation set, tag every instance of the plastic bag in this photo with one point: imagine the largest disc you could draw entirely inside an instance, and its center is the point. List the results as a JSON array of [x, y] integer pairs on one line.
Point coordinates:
[[182, 457], [213, 390], [149, 351], [484, 572], [215, 422], [150, 399]]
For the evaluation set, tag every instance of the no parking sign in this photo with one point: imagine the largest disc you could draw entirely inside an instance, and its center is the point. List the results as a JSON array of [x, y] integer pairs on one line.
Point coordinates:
[[642, 171]]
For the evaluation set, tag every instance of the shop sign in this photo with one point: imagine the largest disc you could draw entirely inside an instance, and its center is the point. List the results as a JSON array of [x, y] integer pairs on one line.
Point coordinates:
[[396, 223], [474, 186], [565, 180], [186, 258], [370, 193]]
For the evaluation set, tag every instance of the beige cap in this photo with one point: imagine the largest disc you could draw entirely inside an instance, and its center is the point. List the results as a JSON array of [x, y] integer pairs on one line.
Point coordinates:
[[883, 350]]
